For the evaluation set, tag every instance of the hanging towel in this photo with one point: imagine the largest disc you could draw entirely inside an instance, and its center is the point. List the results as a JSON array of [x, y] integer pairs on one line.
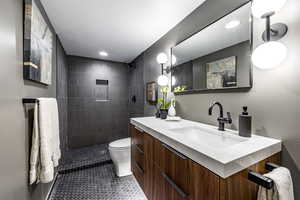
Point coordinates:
[[45, 150], [283, 186]]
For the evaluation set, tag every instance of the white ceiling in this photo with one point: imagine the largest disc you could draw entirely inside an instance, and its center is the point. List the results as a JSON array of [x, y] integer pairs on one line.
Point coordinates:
[[216, 37], [123, 28]]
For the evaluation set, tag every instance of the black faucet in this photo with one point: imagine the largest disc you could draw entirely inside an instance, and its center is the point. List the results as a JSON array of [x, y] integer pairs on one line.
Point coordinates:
[[222, 121]]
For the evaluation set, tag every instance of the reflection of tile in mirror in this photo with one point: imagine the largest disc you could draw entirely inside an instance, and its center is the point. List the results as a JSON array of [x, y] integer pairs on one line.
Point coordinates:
[[213, 43]]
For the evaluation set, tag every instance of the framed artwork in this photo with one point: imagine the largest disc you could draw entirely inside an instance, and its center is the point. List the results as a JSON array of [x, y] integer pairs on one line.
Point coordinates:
[[38, 45], [221, 73], [151, 92]]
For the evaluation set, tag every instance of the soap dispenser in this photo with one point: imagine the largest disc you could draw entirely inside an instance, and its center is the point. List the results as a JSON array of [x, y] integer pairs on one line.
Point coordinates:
[[245, 123]]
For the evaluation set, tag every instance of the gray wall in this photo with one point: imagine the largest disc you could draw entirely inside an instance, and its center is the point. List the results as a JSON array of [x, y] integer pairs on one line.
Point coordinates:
[[274, 99], [92, 122], [14, 117]]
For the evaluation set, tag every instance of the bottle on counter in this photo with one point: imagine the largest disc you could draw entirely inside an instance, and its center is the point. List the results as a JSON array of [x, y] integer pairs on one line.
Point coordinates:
[[245, 123]]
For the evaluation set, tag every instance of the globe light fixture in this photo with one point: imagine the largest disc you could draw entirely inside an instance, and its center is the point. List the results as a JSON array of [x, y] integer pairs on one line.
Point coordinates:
[[163, 80], [271, 53], [262, 8], [162, 58]]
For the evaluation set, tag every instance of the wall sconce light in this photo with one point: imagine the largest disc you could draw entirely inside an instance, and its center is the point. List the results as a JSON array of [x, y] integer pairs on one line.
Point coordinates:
[[271, 53], [162, 59]]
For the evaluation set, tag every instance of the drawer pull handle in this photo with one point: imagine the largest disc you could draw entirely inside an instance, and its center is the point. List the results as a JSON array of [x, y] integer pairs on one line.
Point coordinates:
[[174, 151], [139, 167], [139, 129], [174, 185]]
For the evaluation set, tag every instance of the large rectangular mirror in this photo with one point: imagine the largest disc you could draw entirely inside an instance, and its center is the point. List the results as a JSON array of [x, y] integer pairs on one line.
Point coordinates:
[[216, 59]]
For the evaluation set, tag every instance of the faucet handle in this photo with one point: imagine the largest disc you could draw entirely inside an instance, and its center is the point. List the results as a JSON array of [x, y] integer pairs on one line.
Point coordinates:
[[229, 117]]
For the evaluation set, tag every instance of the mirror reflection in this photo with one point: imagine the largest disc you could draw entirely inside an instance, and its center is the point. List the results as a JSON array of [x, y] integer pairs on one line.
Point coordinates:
[[217, 57]]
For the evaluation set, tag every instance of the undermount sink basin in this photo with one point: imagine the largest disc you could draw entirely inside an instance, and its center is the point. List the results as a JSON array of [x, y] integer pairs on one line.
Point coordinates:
[[212, 137]]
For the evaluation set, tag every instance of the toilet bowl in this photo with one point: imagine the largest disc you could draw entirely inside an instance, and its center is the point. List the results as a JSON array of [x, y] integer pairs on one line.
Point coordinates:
[[119, 151]]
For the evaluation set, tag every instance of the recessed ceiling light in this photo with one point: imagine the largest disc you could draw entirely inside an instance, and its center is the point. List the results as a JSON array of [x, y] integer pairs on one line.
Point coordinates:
[[232, 24], [103, 53]]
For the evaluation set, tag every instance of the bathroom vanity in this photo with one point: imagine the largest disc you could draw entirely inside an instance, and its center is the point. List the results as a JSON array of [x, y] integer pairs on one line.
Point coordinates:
[[190, 160]]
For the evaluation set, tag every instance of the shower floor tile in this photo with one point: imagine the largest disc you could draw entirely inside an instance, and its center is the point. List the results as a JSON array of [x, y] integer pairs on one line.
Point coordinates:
[[98, 183], [84, 156]]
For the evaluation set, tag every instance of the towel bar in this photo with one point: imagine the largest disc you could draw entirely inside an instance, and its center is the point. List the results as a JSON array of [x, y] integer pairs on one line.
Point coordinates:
[[262, 180], [27, 100]]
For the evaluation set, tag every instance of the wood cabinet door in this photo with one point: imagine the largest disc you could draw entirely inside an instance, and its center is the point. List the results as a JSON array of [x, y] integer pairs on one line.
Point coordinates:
[[159, 191], [165, 188], [204, 184], [174, 171]]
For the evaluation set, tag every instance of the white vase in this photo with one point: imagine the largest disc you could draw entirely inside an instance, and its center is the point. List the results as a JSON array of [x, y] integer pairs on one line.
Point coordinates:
[[172, 111]]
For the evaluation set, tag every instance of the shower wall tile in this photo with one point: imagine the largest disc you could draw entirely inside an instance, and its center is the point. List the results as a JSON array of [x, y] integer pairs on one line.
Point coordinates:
[[136, 88], [92, 121], [62, 96]]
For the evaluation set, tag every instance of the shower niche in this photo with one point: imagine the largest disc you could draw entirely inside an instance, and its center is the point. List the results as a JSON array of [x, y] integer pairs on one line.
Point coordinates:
[[102, 90]]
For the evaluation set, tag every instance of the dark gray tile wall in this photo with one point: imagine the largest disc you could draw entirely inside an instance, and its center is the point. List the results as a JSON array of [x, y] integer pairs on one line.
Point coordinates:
[[92, 120], [136, 88], [62, 95]]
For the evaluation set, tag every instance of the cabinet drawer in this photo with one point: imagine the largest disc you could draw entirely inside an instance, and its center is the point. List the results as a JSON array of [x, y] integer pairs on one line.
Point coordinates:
[[137, 137], [174, 168], [166, 188], [149, 179], [138, 156], [138, 173]]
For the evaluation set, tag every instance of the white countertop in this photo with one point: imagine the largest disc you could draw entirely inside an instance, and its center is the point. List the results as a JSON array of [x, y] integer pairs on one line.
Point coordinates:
[[224, 153]]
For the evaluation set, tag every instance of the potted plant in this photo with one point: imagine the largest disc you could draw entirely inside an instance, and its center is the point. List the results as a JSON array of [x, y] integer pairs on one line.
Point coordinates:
[[164, 103]]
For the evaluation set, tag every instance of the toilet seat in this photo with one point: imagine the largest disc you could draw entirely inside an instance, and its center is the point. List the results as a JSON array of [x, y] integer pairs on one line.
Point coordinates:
[[120, 144]]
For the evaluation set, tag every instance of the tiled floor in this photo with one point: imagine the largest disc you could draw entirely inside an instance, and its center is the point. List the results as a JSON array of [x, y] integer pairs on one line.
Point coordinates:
[[98, 182], [84, 156]]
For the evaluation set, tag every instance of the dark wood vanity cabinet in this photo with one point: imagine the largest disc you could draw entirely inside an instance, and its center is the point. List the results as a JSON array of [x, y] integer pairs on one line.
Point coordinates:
[[165, 174]]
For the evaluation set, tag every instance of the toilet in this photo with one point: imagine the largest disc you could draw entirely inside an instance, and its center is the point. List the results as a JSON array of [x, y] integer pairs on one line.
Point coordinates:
[[119, 151]]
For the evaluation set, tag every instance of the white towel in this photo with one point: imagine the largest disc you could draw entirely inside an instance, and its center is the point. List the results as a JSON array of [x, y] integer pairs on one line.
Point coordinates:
[[45, 150], [283, 186]]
